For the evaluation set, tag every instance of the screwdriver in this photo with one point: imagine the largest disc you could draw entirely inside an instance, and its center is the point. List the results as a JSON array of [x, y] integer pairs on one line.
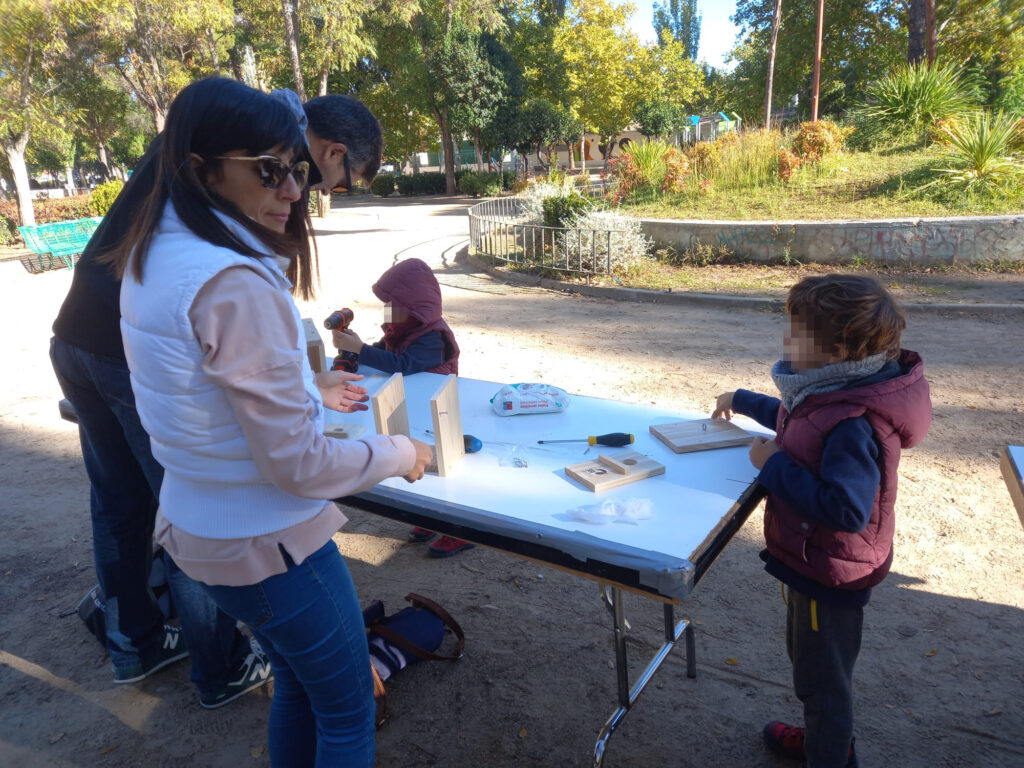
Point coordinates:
[[612, 439]]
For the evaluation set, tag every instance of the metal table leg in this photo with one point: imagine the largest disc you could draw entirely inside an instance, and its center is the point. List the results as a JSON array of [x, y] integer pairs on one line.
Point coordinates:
[[612, 597]]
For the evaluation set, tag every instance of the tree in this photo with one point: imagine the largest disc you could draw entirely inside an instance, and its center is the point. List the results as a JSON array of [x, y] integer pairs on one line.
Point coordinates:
[[31, 40], [656, 118], [682, 20], [776, 20]]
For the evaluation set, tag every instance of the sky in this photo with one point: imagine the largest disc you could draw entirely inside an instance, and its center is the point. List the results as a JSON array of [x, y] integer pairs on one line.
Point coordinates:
[[717, 33]]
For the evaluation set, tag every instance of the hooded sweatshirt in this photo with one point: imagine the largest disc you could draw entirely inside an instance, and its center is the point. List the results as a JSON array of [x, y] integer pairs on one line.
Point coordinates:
[[830, 519], [424, 342]]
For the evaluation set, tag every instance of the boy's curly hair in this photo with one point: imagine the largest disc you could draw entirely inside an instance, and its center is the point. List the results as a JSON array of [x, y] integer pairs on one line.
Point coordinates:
[[854, 311]]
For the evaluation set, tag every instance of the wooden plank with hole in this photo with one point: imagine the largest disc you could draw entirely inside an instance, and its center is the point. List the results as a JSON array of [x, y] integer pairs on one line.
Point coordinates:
[[344, 431], [314, 346], [389, 413], [701, 435], [612, 470], [449, 446]]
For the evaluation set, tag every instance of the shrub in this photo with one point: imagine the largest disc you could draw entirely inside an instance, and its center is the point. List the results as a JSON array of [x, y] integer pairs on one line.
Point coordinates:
[[383, 184], [8, 232], [816, 140], [471, 184], [563, 210], [788, 162], [313, 202], [598, 250], [102, 198], [906, 102], [982, 152], [493, 184], [508, 178], [751, 161], [704, 157], [429, 183], [61, 209], [531, 199]]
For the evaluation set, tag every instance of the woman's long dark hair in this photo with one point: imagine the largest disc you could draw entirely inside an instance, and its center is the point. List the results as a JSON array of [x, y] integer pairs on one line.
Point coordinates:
[[208, 118]]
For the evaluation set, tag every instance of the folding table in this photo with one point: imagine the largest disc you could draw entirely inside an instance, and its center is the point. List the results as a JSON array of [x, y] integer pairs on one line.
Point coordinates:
[[514, 496]]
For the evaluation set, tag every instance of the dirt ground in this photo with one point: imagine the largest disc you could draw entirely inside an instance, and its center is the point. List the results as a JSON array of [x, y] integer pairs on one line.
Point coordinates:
[[940, 681]]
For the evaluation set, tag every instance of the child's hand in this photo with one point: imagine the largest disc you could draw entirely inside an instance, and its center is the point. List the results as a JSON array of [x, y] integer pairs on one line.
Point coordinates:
[[762, 450], [424, 460], [339, 393], [346, 341], [723, 407]]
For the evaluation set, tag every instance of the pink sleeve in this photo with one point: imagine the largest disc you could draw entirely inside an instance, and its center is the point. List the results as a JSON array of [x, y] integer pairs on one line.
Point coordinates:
[[251, 348]]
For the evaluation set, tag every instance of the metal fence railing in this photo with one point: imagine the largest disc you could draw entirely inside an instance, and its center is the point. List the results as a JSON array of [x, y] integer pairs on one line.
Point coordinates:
[[498, 228]]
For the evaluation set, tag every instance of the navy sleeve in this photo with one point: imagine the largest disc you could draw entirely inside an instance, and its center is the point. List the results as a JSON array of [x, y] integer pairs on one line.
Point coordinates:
[[844, 494], [423, 354], [761, 408]]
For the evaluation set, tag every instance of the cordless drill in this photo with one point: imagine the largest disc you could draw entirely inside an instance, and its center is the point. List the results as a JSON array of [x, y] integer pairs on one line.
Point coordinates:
[[340, 320]]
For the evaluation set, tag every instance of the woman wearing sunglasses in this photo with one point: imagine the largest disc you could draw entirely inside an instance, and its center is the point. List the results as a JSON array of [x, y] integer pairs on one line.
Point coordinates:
[[235, 415]]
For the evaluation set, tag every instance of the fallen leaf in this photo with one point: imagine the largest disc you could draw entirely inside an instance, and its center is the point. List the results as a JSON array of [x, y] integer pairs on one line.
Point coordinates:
[[107, 750], [732, 661], [522, 733], [56, 737], [932, 652]]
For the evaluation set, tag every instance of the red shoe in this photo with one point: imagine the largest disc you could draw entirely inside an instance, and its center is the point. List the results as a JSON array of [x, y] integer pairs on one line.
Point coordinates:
[[788, 741], [420, 535], [446, 546]]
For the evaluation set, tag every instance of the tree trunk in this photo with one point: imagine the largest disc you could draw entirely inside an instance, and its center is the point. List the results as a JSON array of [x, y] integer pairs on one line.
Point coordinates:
[[69, 185], [104, 158], [15, 151], [916, 23], [449, 156], [324, 76], [291, 37], [776, 21], [930, 35], [214, 57], [479, 154], [572, 155]]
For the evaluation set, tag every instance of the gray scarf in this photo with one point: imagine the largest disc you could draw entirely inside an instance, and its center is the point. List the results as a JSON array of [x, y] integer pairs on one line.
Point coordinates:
[[794, 387]]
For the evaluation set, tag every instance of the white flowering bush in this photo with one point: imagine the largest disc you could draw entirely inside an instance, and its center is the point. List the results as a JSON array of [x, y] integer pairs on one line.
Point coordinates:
[[531, 199], [608, 232]]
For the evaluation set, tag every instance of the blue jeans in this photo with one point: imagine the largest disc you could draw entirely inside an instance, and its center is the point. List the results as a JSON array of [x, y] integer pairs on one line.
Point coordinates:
[[125, 480], [309, 623]]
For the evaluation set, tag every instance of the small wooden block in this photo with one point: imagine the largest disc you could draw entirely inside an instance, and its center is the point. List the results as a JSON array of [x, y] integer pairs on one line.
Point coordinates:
[[389, 414], [344, 431], [314, 346], [701, 435], [448, 443], [612, 471]]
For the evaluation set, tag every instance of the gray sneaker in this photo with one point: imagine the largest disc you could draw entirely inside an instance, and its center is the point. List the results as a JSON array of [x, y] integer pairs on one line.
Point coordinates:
[[172, 649], [253, 672]]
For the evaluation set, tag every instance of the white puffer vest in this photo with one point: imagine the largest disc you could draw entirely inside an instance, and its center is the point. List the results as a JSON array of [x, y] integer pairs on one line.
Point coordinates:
[[211, 485]]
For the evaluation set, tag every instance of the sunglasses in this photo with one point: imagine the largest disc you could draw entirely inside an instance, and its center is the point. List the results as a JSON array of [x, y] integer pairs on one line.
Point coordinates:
[[274, 171], [347, 186]]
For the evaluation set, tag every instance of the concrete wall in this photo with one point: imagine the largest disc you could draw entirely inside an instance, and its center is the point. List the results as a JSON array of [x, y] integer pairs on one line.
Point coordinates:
[[902, 241]]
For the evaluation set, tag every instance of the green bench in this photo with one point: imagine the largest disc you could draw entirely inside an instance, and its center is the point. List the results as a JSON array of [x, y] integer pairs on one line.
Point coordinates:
[[58, 244]]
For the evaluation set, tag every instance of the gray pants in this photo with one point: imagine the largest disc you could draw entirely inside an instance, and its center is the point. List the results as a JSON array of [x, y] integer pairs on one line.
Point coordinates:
[[823, 640]]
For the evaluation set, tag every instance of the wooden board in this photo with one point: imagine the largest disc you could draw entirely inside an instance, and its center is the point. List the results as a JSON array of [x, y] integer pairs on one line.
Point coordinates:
[[389, 414], [344, 431], [613, 470], [314, 346], [448, 443], [700, 435], [1014, 483]]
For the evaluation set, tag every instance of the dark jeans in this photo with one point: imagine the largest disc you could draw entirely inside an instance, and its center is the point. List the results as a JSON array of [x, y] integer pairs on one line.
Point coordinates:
[[823, 641], [125, 481], [309, 623]]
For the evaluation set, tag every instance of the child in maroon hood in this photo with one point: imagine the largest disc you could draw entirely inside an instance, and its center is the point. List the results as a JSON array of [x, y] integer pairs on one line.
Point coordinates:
[[851, 399], [416, 338]]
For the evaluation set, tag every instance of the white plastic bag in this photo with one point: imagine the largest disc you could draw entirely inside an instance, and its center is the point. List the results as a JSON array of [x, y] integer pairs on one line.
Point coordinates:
[[612, 511], [513, 399]]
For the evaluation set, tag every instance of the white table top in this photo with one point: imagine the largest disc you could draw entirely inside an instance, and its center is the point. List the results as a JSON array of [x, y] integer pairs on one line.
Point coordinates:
[[690, 502]]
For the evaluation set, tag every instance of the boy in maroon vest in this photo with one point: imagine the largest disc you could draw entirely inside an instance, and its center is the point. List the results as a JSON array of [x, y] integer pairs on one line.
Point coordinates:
[[851, 399], [416, 338]]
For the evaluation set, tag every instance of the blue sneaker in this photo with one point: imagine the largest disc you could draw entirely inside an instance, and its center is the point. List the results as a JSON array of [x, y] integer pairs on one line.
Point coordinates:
[[253, 672], [172, 649]]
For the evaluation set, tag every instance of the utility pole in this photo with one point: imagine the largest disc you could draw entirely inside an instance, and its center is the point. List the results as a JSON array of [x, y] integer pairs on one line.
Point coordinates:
[[817, 61], [776, 20]]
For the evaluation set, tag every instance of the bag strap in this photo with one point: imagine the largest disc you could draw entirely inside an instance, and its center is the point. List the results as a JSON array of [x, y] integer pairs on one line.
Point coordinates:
[[380, 698], [418, 601]]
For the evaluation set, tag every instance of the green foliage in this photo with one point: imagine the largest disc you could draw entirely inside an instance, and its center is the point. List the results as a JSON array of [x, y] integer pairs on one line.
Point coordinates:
[[816, 140], [681, 20], [383, 184], [431, 183], [1011, 93], [471, 184], [983, 157], [8, 231], [750, 162], [508, 178], [563, 210], [477, 184], [656, 118], [102, 198], [903, 105]]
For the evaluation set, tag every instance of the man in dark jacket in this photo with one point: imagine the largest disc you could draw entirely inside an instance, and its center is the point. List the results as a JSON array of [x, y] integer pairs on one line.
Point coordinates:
[[88, 357]]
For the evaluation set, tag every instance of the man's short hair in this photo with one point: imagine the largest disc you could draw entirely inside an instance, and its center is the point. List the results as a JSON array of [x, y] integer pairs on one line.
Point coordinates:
[[346, 120], [852, 310]]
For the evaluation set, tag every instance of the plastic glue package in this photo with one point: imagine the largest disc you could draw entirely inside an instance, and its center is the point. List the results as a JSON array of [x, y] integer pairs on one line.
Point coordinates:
[[629, 511], [513, 399]]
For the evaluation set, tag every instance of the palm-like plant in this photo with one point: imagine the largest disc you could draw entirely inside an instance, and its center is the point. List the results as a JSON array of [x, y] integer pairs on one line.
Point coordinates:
[[910, 99], [983, 151]]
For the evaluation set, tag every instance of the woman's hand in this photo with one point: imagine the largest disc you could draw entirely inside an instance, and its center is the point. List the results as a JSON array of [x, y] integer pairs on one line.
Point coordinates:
[[424, 460], [346, 341], [723, 407], [339, 393], [762, 450]]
